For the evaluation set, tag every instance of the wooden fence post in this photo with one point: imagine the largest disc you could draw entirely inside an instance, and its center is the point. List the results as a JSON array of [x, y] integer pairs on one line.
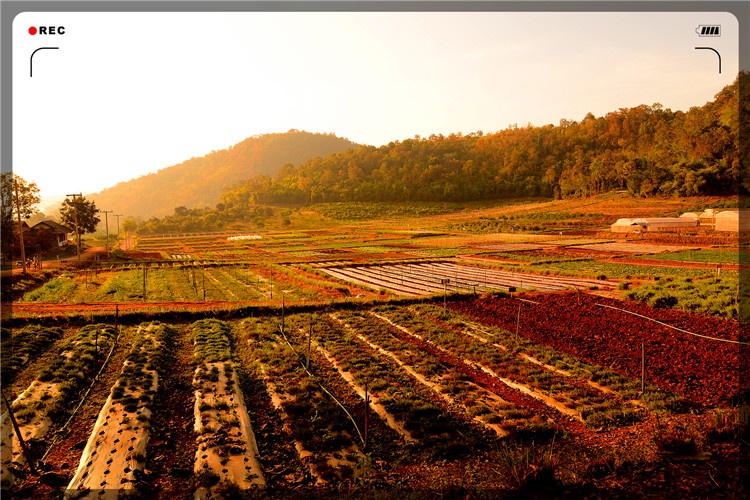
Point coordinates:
[[643, 368], [24, 448]]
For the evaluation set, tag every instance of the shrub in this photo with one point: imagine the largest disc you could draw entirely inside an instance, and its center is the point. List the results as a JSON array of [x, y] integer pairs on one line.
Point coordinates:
[[663, 301]]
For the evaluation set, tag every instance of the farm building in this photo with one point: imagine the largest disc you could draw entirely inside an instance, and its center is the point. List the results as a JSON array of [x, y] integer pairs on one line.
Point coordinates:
[[653, 224], [705, 218], [51, 232], [625, 226], [733, 220]]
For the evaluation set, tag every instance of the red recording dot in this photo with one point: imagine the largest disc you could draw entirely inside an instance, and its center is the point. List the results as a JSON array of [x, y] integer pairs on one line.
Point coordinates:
[[32, 31]]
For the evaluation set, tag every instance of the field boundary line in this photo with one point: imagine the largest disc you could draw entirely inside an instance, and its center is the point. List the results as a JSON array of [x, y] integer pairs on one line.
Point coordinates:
[[674, 327]]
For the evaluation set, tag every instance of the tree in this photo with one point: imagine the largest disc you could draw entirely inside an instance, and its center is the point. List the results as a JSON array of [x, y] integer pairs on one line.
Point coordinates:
[[19, 201], [82, 215]]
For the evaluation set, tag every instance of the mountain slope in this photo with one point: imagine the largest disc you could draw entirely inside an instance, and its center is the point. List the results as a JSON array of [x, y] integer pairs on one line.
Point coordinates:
[[200, 181]]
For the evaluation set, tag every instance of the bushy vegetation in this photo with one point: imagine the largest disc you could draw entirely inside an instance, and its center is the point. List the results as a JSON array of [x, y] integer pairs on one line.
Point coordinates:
[[710, 295], [709, 256], [211, 337]]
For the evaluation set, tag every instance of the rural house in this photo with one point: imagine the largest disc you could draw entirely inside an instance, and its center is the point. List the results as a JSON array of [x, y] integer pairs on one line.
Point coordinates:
[[50, 233]]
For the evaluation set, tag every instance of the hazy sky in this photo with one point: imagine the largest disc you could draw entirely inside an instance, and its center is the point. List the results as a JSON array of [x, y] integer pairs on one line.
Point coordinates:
[[130, 93]]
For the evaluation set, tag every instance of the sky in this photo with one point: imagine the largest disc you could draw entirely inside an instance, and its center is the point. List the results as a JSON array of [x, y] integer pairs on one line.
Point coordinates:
[[125, 94]]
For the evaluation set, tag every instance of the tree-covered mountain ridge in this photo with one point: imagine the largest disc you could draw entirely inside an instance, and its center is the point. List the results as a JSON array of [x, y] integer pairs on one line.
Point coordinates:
[[646, 150], [200, 182]]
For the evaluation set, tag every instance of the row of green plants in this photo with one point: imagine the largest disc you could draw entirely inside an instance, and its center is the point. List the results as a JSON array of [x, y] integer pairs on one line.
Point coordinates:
[[215, 381], [314, 419], [22, 345], [535, 258], [715, 295], [626, 388], [346, 211], [447, 378], [421, 413], [594, 269], [703, 255], [65, 375], [147, 357], [537, 221], [133, 393], [596, 408], [165, 284], [57, 289]]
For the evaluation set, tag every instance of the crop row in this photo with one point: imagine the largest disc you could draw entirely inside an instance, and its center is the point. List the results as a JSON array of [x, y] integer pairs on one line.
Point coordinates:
[[45, 401], [226, 448], [115, 454], [412, 411], [556, 387], [717, 295], [323, 433], [451, 384], [702, 370], [358, 396], [23, 345], [184, 284]]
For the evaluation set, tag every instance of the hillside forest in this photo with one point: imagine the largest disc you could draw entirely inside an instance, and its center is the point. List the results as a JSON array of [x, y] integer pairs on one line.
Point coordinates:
[[646, 151]]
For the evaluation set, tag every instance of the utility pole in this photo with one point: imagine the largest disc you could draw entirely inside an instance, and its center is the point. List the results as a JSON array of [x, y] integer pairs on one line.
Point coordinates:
[[118, 227], [75, 219], [20, 226], [106, 225]]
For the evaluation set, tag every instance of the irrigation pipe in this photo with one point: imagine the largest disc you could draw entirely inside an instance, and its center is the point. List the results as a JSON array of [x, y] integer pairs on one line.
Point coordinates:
[[324, 389], [526, 300], [674, 327], [58, 434]]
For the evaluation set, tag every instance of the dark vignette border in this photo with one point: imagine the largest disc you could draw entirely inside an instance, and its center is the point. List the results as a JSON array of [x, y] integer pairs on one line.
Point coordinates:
[[740, 8]]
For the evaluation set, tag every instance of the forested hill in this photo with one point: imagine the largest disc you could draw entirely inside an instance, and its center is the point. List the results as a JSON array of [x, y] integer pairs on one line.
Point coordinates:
[[646, 150], [201, 181]]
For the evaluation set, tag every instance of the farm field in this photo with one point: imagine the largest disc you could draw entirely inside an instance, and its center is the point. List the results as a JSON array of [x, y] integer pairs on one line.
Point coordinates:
[[455, 386], [384, 351]]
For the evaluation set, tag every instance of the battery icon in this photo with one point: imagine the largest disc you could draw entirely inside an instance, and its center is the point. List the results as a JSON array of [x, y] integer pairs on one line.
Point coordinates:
[[708, 30]]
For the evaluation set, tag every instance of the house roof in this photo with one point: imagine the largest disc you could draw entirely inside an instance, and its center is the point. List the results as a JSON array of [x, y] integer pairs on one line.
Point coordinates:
[[53, 225]]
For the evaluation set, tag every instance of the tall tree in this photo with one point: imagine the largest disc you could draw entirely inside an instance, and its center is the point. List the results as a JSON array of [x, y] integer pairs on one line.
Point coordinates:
[[81, 214], [19, 200]]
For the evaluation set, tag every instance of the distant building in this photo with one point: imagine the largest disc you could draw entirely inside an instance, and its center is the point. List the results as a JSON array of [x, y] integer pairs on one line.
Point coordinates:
[[653, 224], [51, 232], [733, 220]]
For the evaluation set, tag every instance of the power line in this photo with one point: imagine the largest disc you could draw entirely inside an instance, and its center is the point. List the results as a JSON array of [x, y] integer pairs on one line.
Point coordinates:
[[674, 327]]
